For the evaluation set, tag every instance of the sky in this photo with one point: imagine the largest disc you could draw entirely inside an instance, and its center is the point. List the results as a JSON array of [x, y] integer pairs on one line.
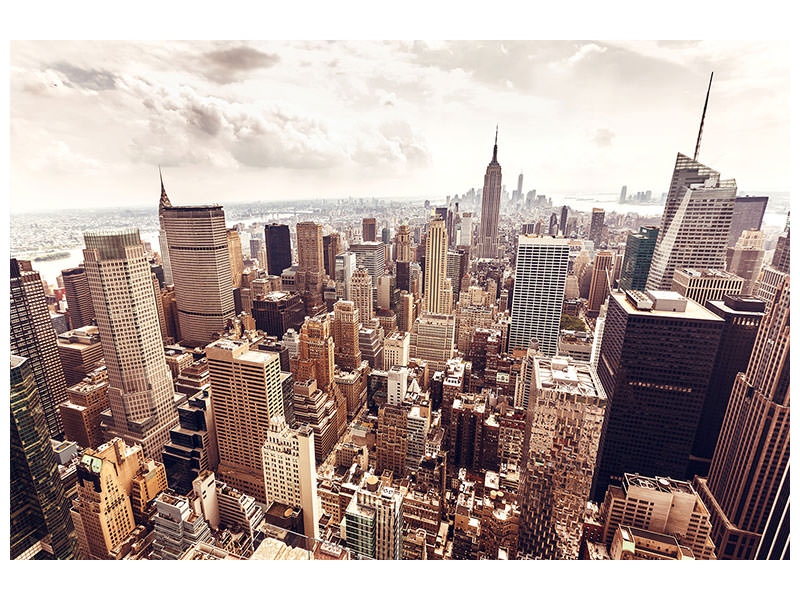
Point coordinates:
[[259, 121]]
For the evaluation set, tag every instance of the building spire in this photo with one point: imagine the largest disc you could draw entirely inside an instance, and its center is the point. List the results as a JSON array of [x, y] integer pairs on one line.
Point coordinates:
[[494, 155], [164, 202], [703, 118]]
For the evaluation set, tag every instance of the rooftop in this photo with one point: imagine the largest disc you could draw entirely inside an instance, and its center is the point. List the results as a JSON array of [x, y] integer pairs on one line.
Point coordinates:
[[692, 309]]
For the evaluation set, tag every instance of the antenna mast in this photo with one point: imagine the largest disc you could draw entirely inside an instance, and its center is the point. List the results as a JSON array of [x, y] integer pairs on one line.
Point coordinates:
[[703, 118]]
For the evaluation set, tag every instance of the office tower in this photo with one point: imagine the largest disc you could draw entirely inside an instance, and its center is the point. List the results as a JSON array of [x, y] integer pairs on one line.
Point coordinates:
[[140, 393], [353, 386], [277, 312], [201, 269], [370, 256], [774, 543], [345, 335], [163, 245], [658, 505], [235, 256], [432, 339], [742, 317], [435, 266], [81, 412], [638, 256], [384, 289], [596, 226], [702, 285], [753, 448], [290, 472], [176, 527], [466, 229], [748, 212], [396, 349], [655, 363], [245, 393], [562, 432], [490, 207], [780, 259], [345, 267], [539, 280], [769, 281], [695, 225], [370, 342], [552, 228], [331, 247], [746, 258], [256, 246], [278, 243], [193, 446], [623, 194], [310, 265], [563, 222], [602, 280], [374, 520], [361, 294], [79, 299], [317, 409], [392, 437], [40, 520], [33, 337], [403, 244], [368, 230], [80, 352], [457, 267]]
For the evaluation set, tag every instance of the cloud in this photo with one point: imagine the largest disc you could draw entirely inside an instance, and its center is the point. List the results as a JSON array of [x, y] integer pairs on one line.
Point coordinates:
[[59, 157], [603, 137], [584, 51], [224, 65], [89, 79]]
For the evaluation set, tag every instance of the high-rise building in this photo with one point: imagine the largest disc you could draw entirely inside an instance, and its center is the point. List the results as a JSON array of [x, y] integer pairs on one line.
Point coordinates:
[[176, 527], [748, 212], [370, 342], [435, 266], [245, 393], [331, 247], [361, 294], [368, 230], [345, 267], [623, 194], [695, 225], [163, 245], [769, 281], [702, 285], [638, 256], [466, 230], [432, 339], [396, 350], [403, 244], [370, 256], [742, 318], [746, 258], [539, 280], [345, 335], [79, 299], [602, 281], [596, 226], [33, 337], [278, 242], [80, 352], [277, 312], [290, 471], [310, 275], [40, 520], [655, 362], [374, 520], [81, 413], [392, 437], [774, 544], [201, 269], [236, 258], [780, 259], [490, 207], [140, 392], [562, 433], [752, 453]]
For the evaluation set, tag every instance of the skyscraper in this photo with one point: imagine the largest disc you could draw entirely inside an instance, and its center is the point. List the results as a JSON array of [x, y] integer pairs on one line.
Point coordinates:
[[752, 453], [33, 337], [540, 277], [79, 299], [310, 264], [748, 213], [201, 269], [361, 294], [345, 335], [623, 194], [638, 257], [435, 266], [780, 259], [655, 362], [331, 247], [596, 226], [403, 244], [602, 280], [563, 221], [40, 520], [562, 433], [236, 258], [163, 245], [490, 207], [368, 230], [746, 258], [278, 243], [432, 339], [695, 225]]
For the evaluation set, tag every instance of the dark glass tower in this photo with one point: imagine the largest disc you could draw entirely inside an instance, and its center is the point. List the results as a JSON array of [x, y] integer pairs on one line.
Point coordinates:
[[655, 362], [638, 256], [41, 526], [748, 212], [279, 248]]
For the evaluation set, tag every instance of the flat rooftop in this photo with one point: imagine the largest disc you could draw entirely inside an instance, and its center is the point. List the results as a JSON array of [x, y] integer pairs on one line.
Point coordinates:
[[692, 311]]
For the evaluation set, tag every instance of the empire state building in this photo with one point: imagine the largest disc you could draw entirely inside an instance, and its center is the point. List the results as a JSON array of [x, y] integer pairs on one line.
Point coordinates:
[[490, 207]]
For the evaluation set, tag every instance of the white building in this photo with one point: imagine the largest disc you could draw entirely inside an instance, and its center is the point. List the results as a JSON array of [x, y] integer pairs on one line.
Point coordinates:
[[396, 349], [176, 527]]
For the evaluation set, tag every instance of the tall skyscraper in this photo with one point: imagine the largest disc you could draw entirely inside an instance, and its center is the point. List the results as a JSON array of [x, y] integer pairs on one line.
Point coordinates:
[[655, 362], [163, 244], [331, 247], [345, 266], [746, 258], [540, 277], [310, 275], [245, 393], [623, 194], [345, 335], [368, 230], [695, 225], [638, 257], [33, 337], [780, 259], [748, 213], [40, 520], [602, 280], [466, 229], [563, 222], [79, 299], [752, 453], [490, 207], [140, 393], [435, 266], [432, 339], [201, 269], [236, 258], [403, 244], [361, 294], [596, 226], [290, 471], [562, 433], [278, 243]]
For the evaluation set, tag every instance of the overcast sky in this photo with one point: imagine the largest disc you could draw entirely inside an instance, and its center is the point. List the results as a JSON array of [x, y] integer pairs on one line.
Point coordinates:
[[233, 121]]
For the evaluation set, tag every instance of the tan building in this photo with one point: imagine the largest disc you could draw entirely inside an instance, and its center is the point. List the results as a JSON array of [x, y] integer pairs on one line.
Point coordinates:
[[396, 348], [245, 393], [403, 244], [80, 414], [392, 444], [310, 263], [315, 408], [361, 294], [236, 258], [701, 285], [345, 335], [353, 386], [79, 298], [436, 267], [632, 543], [80, 352], [602, 278], [432, 339]]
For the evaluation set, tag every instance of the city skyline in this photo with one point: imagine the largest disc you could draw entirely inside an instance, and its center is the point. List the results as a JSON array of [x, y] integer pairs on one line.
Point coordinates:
[[245, 122]]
